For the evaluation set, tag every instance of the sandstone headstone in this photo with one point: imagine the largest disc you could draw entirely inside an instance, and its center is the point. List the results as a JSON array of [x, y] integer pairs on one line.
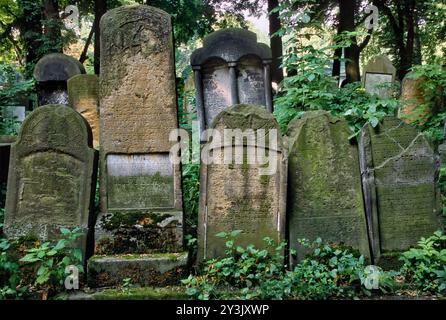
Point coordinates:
[[83, 91], [52, 73], [378, 73], [231, 68], [415, 107], [51, 175], [401, 170], [242, 194], [141, 202], [324, 184]]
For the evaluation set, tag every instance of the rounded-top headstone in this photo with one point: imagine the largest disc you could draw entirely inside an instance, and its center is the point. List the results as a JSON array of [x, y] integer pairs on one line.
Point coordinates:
[[231, 45], [57, 67]]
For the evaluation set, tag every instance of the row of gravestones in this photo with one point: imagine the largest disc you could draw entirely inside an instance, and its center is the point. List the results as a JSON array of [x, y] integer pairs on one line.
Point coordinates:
[[379, 199]]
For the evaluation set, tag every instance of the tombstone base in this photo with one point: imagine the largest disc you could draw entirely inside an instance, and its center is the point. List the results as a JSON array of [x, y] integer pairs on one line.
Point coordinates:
[[161, 269]]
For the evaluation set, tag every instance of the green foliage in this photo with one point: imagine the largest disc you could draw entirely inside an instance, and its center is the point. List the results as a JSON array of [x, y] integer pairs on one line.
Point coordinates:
[[309, 86], [424, 266], [251, 273], [9, 273], [49, 260], [332, 271]]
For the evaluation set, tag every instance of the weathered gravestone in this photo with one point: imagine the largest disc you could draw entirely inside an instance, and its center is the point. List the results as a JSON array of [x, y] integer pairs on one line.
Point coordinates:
[[324, 184], [415, 106], [231, 68], [400, 181], [51, 179], [141, 202], [83, 97], [239, 189], [52, 73], [378, 74]]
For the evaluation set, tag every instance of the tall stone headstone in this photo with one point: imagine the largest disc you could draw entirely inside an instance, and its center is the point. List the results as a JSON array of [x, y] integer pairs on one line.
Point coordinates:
[[400, 169], [51, 178], [52, 73], [83, 95], [379, 73], [238, 192], [141, 202], [231, 68], [324, 184]]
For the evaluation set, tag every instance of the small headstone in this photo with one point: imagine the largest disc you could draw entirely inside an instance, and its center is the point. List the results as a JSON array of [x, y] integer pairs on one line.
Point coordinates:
[[242, 194], [83, 95], [401, 176], [52, 73], [231, 68], [141, 201], [51, 176], [324, 184], [378, 74], [15, 113]]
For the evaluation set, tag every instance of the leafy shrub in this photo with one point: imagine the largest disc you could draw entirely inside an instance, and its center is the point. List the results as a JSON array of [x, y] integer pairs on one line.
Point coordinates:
[[333, 271], [251, 273], [39, 269], [425, 266]]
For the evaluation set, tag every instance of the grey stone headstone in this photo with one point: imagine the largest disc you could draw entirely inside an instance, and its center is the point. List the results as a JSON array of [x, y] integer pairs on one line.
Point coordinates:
[[52, 73], [230, 68], [378, 74], [51, 179], [401, 178]]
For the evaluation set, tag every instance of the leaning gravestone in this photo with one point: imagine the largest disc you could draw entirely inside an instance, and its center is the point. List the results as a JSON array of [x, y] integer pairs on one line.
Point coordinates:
[[246, 193], [83, 97], [141, 202], [231, 68], [401, 170], [378, 73], [52, 73], [324, 184], [51, 176]]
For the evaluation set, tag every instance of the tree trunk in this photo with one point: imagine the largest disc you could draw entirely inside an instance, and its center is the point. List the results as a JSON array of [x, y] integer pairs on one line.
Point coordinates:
[[347, 11], [52, 25], [100, 7], [30, 32], [275, 42]]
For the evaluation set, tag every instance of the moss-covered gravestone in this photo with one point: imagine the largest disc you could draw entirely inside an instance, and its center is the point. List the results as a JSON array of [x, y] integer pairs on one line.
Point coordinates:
[[51, 179], [401, 179], [324, 184], [52, 72], [239, 188], [141, 202], [230, 68], [83, 91]]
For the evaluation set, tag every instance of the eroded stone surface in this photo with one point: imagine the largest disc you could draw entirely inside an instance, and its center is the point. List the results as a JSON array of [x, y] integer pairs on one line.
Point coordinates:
[[404, 191], [83, 97], [139, 184], [237, 196], [50, 175], [324, 184]]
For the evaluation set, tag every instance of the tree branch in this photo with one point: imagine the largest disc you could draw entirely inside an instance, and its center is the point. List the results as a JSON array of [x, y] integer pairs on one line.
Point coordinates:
[[83, 56]]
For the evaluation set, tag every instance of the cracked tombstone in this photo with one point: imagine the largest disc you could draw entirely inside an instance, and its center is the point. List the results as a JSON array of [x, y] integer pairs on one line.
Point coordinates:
[[240, 189], [52, 177], [141, 203], [83, 97], [230, 68], [324, 184], [52, 72], [400, 183], [378, 74]]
